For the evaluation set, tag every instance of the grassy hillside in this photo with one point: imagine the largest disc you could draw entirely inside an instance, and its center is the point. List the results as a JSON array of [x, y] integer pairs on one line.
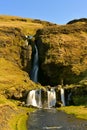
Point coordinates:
[[62, 58], [13, 80], [63, 52], [13, 117], [27, 26]]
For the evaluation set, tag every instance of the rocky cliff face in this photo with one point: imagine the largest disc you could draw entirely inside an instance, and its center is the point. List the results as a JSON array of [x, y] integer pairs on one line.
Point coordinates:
[[62, 61], [14, 58], [63, 53], [15, 55]]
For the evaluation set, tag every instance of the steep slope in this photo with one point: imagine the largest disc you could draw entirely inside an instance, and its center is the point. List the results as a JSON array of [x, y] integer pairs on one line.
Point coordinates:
[[15, 58], [62, 59], [15, 55], [63, 53]]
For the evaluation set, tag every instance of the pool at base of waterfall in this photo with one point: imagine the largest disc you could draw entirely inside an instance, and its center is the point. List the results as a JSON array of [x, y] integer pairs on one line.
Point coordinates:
[[51, 119]]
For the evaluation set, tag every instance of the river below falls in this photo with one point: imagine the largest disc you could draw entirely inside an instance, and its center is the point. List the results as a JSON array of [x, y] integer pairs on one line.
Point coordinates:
[[51, 119]]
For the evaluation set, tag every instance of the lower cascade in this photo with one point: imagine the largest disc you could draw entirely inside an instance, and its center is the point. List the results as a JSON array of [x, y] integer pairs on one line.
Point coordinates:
[[51, 98], [62, 96], [35, 98]]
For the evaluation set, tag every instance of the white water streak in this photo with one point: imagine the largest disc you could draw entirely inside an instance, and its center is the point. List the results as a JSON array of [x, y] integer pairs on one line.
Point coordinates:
[[34, 74], [34, 98], [62, 96], [51, 98]]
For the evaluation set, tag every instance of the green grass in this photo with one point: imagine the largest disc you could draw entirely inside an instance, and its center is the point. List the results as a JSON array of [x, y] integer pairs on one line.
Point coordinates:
[[4, 102], [78, 111], [18, 117], [22, 122], [19, 121], [27, 25], [63, 53], [12, 32], [13, 80]]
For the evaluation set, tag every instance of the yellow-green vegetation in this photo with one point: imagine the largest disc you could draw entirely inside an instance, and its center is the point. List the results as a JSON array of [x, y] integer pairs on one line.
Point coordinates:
[[7, 108], [78, 111], [62, 56], [19, 121], [13, 54], [27, 25], [12, 116], [63, 52], [4, 102], [13, 81]]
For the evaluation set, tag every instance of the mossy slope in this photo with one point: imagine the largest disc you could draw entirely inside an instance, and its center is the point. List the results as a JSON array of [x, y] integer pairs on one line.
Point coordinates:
[[13, 117], [13, 54], [63, 52]]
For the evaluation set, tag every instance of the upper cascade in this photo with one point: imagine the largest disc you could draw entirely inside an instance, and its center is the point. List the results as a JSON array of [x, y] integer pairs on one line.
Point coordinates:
[[35, 59], [35, 66]]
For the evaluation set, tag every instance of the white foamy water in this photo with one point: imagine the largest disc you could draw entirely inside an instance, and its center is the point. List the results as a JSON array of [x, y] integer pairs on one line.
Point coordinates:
[[51, 98], [34, 73], [62, 96]]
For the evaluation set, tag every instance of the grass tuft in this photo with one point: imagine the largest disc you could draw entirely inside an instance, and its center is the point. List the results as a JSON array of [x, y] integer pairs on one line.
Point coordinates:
[[78, 111]]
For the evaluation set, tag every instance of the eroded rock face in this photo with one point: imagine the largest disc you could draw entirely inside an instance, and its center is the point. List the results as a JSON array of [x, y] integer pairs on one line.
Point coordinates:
[[63, 53], [26, 52], [15, 63], [62, 56]]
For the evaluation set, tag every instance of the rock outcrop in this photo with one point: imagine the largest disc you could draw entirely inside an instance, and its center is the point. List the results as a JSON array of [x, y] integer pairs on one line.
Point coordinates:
[[15, 56], [63, 53]]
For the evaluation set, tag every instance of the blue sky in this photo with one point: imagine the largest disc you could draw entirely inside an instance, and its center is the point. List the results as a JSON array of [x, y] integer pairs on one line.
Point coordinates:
[[56, 11]]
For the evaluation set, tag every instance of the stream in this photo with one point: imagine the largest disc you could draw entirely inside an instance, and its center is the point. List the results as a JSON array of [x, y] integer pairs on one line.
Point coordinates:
[[51, 119]]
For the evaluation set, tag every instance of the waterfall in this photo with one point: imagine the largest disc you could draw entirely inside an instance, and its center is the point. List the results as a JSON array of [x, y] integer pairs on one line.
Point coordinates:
[[31, 98], [34, 98], [38, 98], [34, 72], [62, 96], [51, 98]]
